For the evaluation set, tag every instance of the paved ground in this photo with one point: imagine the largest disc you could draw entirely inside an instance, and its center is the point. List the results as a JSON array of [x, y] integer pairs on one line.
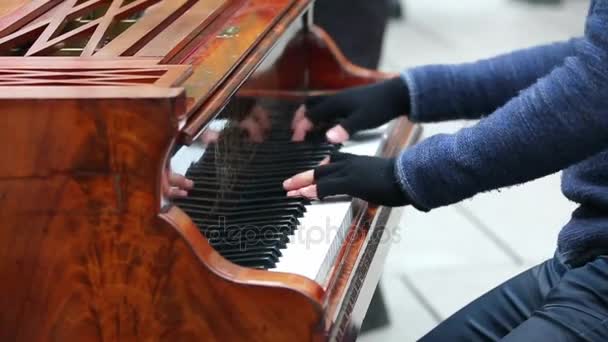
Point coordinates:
[[450, 256]]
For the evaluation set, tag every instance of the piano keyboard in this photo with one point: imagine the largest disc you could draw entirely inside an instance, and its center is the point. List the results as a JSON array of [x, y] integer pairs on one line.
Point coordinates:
[[322, 229], [239, 204]]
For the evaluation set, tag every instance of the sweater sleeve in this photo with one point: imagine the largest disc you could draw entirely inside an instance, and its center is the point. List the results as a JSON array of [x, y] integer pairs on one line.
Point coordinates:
[[471, 90], [558, 121]]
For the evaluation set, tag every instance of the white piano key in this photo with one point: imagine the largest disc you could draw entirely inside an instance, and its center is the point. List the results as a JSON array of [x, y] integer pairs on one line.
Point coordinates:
[[185, 156], [315, 244], [366, 147], [308, 251]]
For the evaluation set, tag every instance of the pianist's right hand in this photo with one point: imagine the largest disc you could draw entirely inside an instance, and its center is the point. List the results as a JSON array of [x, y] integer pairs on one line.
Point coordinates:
[[355, 109], [372, 179]]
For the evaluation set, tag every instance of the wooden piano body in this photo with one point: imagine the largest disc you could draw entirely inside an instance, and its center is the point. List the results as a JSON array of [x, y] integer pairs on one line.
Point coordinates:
[[95, 97]]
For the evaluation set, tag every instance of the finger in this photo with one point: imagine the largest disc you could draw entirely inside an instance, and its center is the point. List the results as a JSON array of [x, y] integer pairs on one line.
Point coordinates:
[[299, 115], [177, 193], [301, 130], [262, 116], [300, 180], [165, 186], [327, 170], [209, 137], [309, 192], [337, 135], [179, 181], [357, 121], [331, 187], [253, 129]]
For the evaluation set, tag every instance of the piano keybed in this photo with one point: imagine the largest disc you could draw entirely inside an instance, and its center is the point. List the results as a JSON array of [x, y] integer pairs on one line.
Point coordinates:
[[239, 204], [251, 220], [238, 201]]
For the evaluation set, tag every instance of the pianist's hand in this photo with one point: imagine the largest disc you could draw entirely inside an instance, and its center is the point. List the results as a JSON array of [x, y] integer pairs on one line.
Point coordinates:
[[370, 178], [175, 185], [356, 109]]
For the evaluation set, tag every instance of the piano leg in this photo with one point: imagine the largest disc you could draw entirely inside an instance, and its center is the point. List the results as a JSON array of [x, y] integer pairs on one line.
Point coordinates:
[[377, 314]]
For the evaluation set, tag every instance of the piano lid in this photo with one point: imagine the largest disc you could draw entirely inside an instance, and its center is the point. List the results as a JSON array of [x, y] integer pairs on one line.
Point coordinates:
[[135, 42]]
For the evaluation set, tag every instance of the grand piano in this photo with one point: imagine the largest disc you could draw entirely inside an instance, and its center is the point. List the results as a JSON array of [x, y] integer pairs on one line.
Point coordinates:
[[101, 100]]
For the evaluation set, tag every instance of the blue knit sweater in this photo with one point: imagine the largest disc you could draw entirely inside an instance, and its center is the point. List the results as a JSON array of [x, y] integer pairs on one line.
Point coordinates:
[[547, 110]]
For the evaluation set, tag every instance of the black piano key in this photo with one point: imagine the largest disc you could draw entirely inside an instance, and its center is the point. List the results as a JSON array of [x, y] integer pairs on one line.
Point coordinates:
[[245, 207], [283, 220], [226, 171], [248, 234], [240, 216], [222, 245], [266, 151], [267, 160], [246, 231], [276, 147], [241, 181], [239, 195], [261, 156], [237, 235], [228, 242], [235, 183], [223, 222], [242, 236], [255, 167], [278, 242], [265, 262], [223, 201], [234, 239], [283, 156], [252, 172], [244, 211], [232, 250], [264, 253]]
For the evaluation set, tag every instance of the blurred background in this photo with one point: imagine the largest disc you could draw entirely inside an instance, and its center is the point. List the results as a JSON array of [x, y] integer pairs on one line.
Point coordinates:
[[446, 258]]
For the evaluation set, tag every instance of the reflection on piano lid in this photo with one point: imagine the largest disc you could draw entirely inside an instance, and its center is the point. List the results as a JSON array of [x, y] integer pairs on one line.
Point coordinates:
[[238, 201]]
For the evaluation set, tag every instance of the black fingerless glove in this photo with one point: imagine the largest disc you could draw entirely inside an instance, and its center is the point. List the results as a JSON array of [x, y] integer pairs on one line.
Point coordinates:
[[362, 107], [369, 178]]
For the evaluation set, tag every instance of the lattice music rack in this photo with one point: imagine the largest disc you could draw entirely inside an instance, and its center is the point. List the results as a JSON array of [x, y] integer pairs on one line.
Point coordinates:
[[70, 72], [99, 42], [105, 28]]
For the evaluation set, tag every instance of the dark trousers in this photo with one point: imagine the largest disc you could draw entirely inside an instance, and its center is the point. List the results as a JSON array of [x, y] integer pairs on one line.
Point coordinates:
[[357, 26], [554, 301]]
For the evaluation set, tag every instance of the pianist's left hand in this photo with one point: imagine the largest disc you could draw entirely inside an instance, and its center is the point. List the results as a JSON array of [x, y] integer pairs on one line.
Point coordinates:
[[175, 185], [356, 109], [370, 178]]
